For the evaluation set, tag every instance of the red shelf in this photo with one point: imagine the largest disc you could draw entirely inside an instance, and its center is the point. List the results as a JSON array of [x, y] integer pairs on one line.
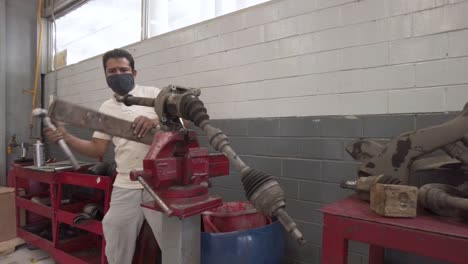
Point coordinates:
[[84, 249], [64, 257], [84, 180], [33, 175], [92, 226], [34, 239], [36, 208]]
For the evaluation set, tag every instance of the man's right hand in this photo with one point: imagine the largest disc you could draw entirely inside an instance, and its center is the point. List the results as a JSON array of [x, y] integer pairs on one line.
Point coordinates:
[[94, 148], [54, 136]]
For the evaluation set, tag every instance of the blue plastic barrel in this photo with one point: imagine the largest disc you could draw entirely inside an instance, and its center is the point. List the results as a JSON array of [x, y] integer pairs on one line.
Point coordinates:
[[263, 245]]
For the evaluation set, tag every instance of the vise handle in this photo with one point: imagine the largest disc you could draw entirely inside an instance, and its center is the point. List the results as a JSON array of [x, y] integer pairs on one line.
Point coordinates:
[[155, 196]]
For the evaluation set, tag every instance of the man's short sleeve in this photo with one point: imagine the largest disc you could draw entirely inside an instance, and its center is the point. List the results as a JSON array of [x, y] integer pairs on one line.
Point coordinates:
[[98, 134], [101, 135]]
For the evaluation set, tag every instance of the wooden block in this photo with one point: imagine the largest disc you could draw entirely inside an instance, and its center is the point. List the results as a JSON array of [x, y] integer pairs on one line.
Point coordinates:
[[9, 246], [394, 200], [8, 214]]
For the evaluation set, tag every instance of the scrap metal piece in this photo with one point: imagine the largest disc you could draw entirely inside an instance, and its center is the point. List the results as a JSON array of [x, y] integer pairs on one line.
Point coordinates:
[[362, 150], [433, 163], [90, 211], [443, 199], [76, 115], [398, 154], [457, 151]]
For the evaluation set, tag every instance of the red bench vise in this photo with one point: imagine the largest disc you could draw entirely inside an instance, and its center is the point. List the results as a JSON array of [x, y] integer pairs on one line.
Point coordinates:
[[177, 170]]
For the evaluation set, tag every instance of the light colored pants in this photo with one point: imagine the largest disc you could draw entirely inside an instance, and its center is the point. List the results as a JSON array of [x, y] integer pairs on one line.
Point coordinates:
[[123, 221]]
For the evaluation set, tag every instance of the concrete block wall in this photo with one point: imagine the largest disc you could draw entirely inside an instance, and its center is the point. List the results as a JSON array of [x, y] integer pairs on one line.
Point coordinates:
[[307, 157], [306, 57], [292, 82]]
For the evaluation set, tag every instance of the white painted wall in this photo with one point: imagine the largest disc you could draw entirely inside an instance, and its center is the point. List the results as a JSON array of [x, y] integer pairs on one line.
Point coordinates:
[[3, 110], [306, 58], [18, 35]]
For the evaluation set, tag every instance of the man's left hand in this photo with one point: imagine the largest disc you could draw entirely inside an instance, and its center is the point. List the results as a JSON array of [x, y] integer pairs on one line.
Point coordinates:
[[143, 124]]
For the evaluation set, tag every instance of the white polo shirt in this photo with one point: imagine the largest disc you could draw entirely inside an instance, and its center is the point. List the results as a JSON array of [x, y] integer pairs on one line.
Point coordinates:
[[129, 154]]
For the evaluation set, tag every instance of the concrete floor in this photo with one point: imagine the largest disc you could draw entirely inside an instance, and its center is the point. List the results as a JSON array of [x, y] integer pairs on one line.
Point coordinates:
[[23, 255]]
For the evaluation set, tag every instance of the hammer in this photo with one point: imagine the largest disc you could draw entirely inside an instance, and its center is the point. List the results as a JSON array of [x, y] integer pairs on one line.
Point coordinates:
[[39, 112]]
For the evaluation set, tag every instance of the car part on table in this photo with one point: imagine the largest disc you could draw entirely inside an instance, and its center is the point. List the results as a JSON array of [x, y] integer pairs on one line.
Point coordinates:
[[445, 200], [395, 157]]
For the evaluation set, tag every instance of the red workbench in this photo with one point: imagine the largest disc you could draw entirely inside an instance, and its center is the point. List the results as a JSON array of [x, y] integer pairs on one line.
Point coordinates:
[[48, 182], [427, 235]]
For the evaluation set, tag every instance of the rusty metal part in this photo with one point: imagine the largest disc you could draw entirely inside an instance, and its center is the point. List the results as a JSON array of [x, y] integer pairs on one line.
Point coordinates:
[[434, 163], [444, 199], [457, 151], [463, 188], [76, 115], [129, 100], [399, 153], [362, 150], [172, 103], [363, 185]]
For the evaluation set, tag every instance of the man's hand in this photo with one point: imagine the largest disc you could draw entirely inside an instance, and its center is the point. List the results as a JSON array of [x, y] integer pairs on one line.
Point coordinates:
[[143, 124], [55, 136]]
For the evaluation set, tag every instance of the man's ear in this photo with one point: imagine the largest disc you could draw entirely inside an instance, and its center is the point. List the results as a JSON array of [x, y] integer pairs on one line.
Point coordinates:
[[134, 73]]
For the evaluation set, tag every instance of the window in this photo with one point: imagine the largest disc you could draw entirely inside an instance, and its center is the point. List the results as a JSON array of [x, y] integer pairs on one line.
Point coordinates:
[[98, 26], [169, 15]]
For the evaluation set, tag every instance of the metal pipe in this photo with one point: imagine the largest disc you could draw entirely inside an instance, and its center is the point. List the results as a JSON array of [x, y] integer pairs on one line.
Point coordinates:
[[440, 197], [43, 113], [129, 100], [38, 60], [290, 226]]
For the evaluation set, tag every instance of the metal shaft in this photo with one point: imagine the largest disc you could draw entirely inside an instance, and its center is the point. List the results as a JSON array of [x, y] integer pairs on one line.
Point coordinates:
[[63, 145], [219, 142], [69, 154], [155, 196]]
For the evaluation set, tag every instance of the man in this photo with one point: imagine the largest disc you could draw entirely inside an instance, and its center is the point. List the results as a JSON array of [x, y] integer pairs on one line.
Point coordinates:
[[123, 221]]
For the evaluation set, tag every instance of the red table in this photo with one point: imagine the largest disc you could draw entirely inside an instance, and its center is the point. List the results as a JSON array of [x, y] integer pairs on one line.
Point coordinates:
[[426, 235]]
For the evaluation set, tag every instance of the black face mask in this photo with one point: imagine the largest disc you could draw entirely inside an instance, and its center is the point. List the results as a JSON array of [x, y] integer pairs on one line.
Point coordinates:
[[121, 84]]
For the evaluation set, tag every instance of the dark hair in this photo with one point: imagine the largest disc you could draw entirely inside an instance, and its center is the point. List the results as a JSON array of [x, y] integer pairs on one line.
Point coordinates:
[[118, 53]]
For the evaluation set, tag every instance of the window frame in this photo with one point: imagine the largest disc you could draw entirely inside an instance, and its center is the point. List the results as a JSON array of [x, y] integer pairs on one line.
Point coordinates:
[[63, 7]]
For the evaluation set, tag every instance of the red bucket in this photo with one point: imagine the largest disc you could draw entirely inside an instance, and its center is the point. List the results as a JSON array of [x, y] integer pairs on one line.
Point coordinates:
[[233, 216]]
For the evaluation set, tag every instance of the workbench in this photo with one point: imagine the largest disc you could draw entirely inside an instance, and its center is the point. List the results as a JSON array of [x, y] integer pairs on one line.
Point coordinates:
[[48, 183], [427, 235]]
